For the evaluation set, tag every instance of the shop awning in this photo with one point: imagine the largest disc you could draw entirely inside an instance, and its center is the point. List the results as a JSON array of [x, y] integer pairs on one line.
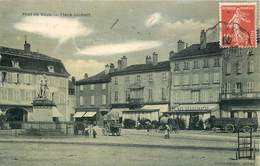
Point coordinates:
[[140, 111], [118, 111], [161, 107], [56, 112], [79, 114], [89, 114], [196, 108]]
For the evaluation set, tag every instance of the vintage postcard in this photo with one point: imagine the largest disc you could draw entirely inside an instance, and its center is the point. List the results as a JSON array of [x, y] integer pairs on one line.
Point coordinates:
[[127, 82], [238, 22]]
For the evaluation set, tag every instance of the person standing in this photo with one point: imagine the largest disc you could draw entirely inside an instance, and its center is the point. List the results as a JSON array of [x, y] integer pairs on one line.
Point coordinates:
[[167, 131], [86, 130], [94, 131], [90, 130]]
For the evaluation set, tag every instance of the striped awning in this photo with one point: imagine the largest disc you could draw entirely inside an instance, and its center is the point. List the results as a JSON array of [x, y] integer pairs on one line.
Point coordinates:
[[196, 108], [118, 111], [79, 114], [161, 107], [89, 114]]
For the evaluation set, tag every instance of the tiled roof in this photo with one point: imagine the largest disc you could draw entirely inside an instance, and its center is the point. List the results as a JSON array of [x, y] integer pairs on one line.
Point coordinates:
[[194, 50], [22, 53], [98, 78], [141, 68], [31, 62]]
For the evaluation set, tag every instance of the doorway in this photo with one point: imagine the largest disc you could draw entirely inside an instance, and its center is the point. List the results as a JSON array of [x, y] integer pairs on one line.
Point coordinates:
[[15, 117]]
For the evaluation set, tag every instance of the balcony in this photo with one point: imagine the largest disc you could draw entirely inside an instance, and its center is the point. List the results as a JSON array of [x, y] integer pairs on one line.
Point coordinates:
[[136, 86], [136, 102], [240, 95]]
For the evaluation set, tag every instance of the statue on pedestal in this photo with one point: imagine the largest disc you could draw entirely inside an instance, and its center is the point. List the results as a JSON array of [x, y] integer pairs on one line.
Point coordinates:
[[43, 88]]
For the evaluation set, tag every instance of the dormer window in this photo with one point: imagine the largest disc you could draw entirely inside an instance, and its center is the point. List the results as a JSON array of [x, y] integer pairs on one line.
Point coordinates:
[[15, 64], [51, 69]]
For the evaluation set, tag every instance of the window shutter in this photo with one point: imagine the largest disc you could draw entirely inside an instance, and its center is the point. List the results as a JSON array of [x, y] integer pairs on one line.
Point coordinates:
[[228, 68]]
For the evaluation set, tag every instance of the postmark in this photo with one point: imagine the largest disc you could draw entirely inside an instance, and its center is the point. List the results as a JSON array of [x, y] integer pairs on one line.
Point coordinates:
[[238, 25]]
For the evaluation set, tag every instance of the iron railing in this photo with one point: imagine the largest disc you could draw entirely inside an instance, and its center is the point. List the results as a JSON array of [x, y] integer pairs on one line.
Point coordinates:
[[240, 95]]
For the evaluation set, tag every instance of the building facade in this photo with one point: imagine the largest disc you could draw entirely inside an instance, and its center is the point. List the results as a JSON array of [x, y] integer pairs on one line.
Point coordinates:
[[93, 96], [240, 95], [20, 74], [72, 97], [143, 86], [196, 81]]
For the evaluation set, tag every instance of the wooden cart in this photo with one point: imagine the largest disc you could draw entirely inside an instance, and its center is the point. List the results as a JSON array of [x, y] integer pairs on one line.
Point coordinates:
[[111, 127], [234, 124]]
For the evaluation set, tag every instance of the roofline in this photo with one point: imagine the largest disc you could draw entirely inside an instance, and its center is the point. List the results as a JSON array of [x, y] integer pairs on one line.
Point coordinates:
[[141, 71], [65, 69], [181, 57], [32, 57], [122, 72], [176, 56], [89, 82], [33, 71]]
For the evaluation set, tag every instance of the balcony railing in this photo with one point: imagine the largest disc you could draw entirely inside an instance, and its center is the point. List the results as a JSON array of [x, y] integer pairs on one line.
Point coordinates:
[[240, 95], [136, 86]]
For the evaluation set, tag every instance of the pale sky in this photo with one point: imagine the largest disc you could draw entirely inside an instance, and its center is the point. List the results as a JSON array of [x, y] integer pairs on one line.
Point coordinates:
[[107, 31]]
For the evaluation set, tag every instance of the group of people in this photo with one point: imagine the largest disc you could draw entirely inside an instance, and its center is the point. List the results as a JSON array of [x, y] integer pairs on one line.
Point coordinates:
[[90, 131]]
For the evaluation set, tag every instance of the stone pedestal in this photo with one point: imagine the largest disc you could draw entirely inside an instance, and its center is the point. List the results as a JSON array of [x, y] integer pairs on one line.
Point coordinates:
[[42, 110]]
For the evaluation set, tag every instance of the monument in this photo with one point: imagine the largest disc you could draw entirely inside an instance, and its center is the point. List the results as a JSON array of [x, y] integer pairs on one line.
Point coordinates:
[[44, 109]]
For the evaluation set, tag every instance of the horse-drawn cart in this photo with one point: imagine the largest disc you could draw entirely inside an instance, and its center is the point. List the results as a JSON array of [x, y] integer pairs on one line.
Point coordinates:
[[111, 124], [111, 127], [234, 124]]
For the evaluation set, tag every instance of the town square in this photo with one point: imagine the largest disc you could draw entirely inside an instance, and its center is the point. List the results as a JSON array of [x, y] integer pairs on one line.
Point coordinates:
[[129, 83]]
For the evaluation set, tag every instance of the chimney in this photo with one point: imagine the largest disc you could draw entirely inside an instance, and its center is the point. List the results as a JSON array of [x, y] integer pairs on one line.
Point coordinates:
[[86, 75], [119, 64], [181, 45], [155, 58], [112, 68], [124, 62], [203, 39], [27, 47], [171, 54], [107, 67], [148, 59]]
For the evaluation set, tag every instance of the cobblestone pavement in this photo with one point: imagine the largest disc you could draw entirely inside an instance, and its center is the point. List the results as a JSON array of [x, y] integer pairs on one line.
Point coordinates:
[[134, 147]]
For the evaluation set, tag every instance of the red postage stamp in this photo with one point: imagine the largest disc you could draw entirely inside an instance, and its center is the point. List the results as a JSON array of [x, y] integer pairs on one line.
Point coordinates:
[[238, 25]]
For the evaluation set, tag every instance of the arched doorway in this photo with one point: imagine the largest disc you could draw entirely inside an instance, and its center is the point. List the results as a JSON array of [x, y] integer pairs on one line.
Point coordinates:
[[15, 117]]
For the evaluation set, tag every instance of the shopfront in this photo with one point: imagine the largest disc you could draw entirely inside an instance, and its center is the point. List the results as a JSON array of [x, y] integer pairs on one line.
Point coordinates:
[[193, 114]]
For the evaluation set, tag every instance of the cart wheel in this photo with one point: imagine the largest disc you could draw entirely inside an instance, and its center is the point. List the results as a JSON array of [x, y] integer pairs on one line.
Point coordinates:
[[118, 133], [105, 131], [246, 129], [229, 128]]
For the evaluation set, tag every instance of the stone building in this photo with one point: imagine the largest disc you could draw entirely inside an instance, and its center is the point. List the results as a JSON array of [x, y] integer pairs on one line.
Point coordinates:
[[142, 86], [240, 96], [196, 80], [72, 97], [93, 96], [20, 74]]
